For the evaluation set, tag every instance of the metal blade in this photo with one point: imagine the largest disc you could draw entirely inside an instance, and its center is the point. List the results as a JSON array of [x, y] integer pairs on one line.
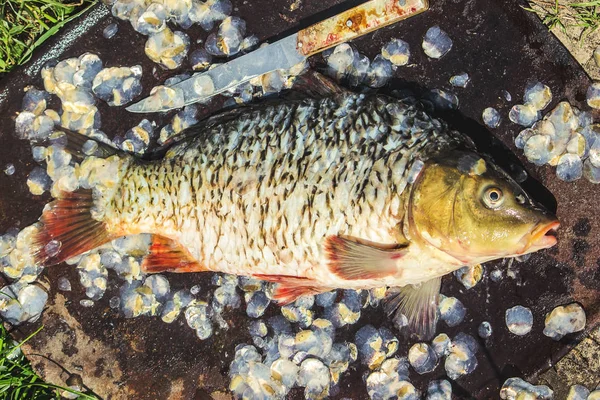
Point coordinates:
[[279, 55]]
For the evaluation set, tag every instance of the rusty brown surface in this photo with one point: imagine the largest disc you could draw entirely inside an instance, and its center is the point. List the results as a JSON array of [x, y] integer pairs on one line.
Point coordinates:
[[498, 44], [356, 22]]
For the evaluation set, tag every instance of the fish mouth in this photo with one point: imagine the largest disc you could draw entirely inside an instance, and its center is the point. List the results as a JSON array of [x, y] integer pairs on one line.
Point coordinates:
[[542, 237]]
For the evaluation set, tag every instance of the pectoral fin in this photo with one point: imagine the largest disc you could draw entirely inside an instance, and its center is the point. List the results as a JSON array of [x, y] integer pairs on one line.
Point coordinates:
[[351, 260], [166, 255], [419, 305]]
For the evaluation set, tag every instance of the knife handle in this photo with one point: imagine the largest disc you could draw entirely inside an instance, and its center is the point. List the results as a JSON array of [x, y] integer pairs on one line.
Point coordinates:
[[355, 22]]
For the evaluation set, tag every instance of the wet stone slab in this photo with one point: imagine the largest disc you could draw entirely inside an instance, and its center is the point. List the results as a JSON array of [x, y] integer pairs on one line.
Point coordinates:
[[581, 366], [500, 47]]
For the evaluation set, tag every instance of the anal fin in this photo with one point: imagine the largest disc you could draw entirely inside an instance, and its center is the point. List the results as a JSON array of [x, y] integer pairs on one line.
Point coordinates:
[[290, 287], [167, 255], [418, 303]]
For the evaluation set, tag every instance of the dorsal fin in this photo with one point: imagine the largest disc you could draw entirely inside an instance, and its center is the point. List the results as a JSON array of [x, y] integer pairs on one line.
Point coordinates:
[[76, 140], [315, 85], [310, 84]]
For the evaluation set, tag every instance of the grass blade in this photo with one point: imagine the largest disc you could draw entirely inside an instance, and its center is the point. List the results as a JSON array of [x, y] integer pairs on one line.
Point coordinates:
[[26, 24], [27, 55]]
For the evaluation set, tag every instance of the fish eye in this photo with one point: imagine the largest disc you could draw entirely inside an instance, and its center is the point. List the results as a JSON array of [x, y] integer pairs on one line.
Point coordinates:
[[493, 197]]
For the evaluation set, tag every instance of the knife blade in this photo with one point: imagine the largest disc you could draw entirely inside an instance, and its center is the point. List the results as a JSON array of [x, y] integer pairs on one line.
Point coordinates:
[[289, 51]]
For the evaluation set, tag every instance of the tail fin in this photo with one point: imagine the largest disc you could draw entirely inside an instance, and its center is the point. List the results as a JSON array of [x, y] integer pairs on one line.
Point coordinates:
[[69, 228]]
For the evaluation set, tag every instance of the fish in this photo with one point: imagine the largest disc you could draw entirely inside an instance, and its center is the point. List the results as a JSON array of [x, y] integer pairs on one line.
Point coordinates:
[[330, 190]]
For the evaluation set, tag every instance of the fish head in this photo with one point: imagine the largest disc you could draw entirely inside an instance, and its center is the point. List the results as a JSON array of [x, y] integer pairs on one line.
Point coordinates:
[[472, 210]]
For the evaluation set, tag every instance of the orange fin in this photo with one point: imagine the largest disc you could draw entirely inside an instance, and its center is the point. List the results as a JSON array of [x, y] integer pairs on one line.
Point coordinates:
[[68, 222], [352, 260], [166, 255], [290, 287]]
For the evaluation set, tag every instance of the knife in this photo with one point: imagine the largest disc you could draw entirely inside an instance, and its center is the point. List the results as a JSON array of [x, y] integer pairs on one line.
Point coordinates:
[[289, 51]]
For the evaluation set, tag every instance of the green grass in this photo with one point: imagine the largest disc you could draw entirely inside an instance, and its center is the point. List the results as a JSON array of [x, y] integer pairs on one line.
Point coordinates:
[[584, 15], [25, 24], [18, 381]]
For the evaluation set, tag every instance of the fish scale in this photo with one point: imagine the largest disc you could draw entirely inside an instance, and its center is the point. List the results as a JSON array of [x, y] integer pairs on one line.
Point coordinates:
[[269, 186]]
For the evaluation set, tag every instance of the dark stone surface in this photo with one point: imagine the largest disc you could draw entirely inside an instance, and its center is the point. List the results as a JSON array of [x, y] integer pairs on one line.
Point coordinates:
[[500, 45]]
